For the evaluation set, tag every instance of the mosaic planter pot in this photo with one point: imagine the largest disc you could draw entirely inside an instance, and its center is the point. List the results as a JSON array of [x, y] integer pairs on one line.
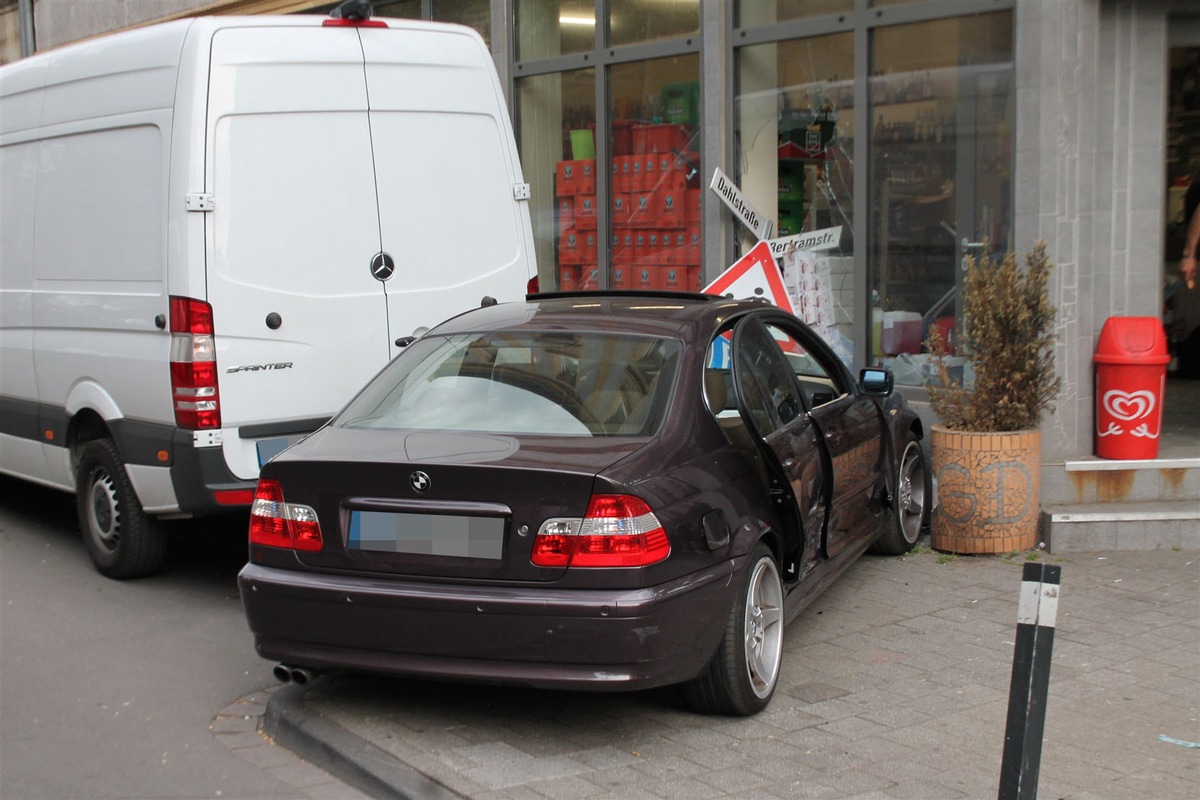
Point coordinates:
[[988, 488]]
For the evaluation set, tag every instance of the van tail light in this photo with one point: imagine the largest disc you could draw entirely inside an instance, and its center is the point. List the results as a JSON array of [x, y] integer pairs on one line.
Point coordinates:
[[618, 531], [194, 365], [533, 286], [276, 523]]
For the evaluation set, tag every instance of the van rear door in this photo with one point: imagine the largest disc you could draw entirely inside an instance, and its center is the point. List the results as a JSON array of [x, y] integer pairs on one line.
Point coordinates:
[[300, 321], [447, 166]]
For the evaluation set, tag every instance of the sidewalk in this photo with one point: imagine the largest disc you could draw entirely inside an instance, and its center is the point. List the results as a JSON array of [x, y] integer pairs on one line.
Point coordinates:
[[894, 685]]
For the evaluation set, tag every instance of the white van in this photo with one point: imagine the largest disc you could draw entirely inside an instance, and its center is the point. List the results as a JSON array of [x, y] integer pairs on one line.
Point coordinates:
[[215, 230]]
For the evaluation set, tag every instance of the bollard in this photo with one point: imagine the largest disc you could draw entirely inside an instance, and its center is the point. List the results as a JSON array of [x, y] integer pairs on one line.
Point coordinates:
[[1030, 681]]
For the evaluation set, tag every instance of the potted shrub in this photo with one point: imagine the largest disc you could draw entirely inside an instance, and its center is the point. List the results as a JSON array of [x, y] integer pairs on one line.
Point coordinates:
[[987, 448]]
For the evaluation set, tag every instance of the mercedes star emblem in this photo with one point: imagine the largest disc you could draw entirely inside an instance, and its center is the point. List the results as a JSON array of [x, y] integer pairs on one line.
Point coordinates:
[[382, 267], [419, 481]]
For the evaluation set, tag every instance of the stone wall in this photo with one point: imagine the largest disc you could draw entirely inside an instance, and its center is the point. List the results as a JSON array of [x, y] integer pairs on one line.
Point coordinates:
[[1090, 150]]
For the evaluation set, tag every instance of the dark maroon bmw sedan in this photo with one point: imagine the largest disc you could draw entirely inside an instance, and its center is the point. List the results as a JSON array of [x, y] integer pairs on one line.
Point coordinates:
[[601, 491]]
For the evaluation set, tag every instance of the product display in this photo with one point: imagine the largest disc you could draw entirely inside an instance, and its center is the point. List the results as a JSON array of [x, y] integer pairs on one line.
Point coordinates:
[[655, 208]]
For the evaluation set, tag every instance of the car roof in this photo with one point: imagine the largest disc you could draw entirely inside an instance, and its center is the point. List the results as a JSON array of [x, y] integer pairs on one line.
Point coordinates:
[[680, 315]]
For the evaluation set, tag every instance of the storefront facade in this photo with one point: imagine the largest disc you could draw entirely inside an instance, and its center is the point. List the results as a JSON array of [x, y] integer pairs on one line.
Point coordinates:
[[907, 132]]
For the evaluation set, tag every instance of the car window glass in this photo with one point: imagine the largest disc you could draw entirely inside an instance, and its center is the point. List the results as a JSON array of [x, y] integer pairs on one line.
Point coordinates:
[[552, 383], [819, 384], [765, 379]]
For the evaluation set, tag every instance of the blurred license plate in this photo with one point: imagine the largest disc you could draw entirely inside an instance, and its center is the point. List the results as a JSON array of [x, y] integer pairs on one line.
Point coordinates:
[[427, 534]]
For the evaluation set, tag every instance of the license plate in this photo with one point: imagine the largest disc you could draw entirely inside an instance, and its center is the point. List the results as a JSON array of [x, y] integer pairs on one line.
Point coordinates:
[[427, 534]]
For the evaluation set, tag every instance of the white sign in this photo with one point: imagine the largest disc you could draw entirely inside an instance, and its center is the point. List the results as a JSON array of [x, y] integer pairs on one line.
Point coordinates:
[[825, 239], [732, 197]]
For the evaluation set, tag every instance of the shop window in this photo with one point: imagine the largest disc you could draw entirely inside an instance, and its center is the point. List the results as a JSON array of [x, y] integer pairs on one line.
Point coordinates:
[[399, 9], [795, 139], [764, 12], [655, 188], [637, 21], [548, 28], [941, 176], [476, 14], [556, 116]]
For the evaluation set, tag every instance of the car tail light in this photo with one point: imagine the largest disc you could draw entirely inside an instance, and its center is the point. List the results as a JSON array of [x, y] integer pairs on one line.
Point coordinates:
[[533, 286], [618, 531], [194, 365], [276, 523]]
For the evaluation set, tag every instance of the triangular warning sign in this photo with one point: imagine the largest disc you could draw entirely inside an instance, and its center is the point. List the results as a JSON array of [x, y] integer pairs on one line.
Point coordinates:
[[754, 276]]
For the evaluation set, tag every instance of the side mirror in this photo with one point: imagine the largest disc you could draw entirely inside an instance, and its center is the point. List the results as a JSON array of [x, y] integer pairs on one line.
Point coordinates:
[[876, 381]]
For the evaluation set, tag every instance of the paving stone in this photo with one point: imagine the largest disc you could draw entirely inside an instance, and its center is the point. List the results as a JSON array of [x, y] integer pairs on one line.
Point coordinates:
[[895, 684]]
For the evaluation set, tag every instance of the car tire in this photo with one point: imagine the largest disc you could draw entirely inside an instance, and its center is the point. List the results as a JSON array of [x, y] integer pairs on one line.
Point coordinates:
[[123, 541], [741, 678], [914, 489]]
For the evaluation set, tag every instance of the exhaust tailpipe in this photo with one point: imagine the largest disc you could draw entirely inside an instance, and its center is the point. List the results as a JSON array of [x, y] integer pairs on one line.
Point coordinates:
[[282, 673], [302, 675]]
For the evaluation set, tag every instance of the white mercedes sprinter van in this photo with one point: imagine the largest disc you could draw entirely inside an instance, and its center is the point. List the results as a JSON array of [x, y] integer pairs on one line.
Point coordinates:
[[215, 230]]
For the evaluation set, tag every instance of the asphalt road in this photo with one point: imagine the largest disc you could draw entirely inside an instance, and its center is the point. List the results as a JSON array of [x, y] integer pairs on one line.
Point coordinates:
[[107, 689]]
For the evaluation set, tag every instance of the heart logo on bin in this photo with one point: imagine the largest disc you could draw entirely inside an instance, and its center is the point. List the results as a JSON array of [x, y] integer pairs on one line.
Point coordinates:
[[1129, 406]]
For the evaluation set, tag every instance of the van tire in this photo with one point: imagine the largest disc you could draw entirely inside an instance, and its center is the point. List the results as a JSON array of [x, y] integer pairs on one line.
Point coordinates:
[[123, 541]]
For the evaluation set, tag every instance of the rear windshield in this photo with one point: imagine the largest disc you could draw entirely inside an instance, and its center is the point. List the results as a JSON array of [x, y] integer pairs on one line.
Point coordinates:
[[553, 383]]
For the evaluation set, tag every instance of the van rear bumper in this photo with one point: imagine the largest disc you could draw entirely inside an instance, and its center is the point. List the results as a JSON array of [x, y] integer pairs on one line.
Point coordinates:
[[203, 481]]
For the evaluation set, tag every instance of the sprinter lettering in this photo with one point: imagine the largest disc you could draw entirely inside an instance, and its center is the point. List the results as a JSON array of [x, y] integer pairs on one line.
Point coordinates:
[[257, 367]]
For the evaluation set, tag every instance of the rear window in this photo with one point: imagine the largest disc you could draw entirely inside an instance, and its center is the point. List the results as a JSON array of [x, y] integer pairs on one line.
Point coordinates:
[[551, 383]]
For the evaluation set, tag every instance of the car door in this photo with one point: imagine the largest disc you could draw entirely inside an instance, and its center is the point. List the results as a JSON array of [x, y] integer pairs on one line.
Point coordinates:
[[851, 429], [771, 404]]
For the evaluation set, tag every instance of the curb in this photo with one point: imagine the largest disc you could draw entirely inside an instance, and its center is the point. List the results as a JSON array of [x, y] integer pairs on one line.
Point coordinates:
[[341, 753]]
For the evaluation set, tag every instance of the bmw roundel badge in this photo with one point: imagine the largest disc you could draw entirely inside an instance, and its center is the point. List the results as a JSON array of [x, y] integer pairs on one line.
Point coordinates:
[[419, 481]]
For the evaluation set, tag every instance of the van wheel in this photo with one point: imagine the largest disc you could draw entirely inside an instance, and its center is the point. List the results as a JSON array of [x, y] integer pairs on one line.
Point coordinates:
[[123, 541], [740, 680]]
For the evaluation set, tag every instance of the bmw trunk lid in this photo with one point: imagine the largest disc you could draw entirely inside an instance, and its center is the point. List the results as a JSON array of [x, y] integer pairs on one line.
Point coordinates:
[[441, 504]]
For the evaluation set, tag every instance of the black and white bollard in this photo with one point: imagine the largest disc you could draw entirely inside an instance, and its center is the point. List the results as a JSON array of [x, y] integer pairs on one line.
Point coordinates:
[[1030, 682]]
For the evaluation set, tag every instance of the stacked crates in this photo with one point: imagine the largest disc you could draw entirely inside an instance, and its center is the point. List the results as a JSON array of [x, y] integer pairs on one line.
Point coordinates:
[[655, 214]]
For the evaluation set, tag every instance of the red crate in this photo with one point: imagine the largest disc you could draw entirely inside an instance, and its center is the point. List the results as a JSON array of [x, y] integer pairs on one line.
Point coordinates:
[[622, 276], [585, 211], [675, 278], [671, 211], [643, 211], [621, 205], [622, 247], [566, 214], [568, 278], [575, 177], [570, 248], [646, 276], [591, 277]]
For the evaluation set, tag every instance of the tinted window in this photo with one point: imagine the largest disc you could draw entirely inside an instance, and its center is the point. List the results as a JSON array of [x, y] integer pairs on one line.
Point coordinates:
[[554, 383]]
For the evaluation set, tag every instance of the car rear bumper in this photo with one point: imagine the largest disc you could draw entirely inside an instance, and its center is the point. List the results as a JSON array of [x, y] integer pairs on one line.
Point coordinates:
[[529, 635]]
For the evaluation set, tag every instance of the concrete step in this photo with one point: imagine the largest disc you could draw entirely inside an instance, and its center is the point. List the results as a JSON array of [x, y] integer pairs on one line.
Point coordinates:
[[1094, 527], [1089, 480]]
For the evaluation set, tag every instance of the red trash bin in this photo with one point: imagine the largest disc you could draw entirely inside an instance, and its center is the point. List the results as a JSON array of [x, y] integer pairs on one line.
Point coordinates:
[[1131, 375]]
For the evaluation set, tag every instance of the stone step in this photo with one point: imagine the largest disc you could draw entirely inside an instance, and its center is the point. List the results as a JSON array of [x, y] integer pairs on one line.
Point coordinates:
[[1093, 527], [1089, 480]]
